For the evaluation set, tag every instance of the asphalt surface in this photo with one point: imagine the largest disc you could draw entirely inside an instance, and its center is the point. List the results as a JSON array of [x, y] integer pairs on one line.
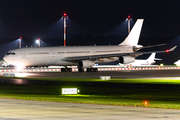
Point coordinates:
[[36, 110], [114, 74]]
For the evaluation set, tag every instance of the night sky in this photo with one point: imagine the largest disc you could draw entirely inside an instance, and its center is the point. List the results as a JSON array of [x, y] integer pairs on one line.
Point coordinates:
[[42, 19], [35, 18]]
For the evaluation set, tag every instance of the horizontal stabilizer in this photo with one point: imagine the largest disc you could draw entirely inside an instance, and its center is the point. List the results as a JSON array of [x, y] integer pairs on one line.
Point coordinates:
[[157, 59], [172, 49]]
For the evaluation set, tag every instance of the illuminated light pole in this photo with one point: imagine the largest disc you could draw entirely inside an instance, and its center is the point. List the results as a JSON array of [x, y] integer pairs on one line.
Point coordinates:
[[38, 41], [64, 17], [20, 42], [129, 18]]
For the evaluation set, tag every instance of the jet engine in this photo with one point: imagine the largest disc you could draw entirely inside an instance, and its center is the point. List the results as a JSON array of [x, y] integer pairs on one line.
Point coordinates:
[[86, 63], [126, 59]]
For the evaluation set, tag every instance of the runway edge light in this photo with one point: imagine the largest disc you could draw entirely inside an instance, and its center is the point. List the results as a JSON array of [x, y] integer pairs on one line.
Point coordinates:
[[145, 102], [161, 65]]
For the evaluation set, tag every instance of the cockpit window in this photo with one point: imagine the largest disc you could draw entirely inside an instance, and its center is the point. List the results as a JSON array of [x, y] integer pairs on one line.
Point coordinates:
[[10, 53]]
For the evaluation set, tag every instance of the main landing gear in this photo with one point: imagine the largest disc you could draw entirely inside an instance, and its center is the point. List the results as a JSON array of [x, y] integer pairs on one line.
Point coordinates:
[[66, 69], [91, 70], [88, 70], [80, 69]]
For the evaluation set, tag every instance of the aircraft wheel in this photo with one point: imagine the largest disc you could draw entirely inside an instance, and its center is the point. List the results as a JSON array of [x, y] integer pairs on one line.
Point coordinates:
[[70, 69], [92, 69], [88, 70], [62, 70], [66, 69], [95, 69], [81, 69]]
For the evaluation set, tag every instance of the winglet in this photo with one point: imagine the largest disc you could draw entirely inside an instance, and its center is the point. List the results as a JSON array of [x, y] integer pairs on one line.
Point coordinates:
[[173, 48]]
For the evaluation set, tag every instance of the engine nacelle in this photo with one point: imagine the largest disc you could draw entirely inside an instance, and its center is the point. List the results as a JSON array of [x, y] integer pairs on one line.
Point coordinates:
[[126, 59], [86, 63]]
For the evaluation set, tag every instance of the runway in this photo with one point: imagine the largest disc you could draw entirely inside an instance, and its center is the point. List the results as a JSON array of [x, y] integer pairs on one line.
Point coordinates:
[[153, 74], [36, 110]]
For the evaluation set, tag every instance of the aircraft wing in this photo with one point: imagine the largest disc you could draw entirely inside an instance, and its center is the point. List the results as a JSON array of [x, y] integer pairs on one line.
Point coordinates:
[[152, 46], [95, 57]]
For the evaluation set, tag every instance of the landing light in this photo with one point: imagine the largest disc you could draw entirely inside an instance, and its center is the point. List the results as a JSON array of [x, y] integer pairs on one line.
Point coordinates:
[[37, 41], [19, 68]]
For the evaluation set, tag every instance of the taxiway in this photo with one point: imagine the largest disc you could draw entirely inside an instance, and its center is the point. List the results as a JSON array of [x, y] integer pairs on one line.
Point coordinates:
[[37, 110], [126, 74]]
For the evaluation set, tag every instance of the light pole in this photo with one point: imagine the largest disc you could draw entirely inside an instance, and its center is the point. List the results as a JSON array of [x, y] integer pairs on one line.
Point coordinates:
[[20, 39], [38, 41], [64, 17], [129, 18]]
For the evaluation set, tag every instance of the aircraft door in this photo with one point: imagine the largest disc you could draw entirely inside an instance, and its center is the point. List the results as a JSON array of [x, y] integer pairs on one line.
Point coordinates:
[[52, 53], [23, 54]]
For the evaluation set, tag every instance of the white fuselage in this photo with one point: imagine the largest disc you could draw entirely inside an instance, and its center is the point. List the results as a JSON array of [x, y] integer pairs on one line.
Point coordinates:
[[65, 56], [43, 56], [142, 62]]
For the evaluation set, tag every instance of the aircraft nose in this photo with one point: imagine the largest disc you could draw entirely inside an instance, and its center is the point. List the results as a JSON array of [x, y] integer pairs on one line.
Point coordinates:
[[5, 58]]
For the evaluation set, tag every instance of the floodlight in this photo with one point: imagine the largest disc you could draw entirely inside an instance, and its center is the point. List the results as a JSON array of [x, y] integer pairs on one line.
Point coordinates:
[[37, 41]]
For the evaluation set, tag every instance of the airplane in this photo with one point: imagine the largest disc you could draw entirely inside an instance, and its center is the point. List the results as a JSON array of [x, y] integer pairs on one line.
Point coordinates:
[[177, 63], [81, 56], [141, 63]]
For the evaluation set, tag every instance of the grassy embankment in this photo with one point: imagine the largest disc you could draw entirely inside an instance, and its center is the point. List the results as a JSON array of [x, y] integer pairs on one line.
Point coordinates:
[[95, 91]]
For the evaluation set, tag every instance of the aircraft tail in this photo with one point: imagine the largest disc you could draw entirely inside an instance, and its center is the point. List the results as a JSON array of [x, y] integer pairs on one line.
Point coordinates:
[[133, 37], [151, 57]]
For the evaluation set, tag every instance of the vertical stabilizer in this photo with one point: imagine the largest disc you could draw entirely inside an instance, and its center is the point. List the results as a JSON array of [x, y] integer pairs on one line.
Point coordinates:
[[151, 57], [133, 37]]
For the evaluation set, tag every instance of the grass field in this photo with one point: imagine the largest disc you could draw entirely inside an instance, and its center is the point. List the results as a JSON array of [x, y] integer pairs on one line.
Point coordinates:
[[94, 91]]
